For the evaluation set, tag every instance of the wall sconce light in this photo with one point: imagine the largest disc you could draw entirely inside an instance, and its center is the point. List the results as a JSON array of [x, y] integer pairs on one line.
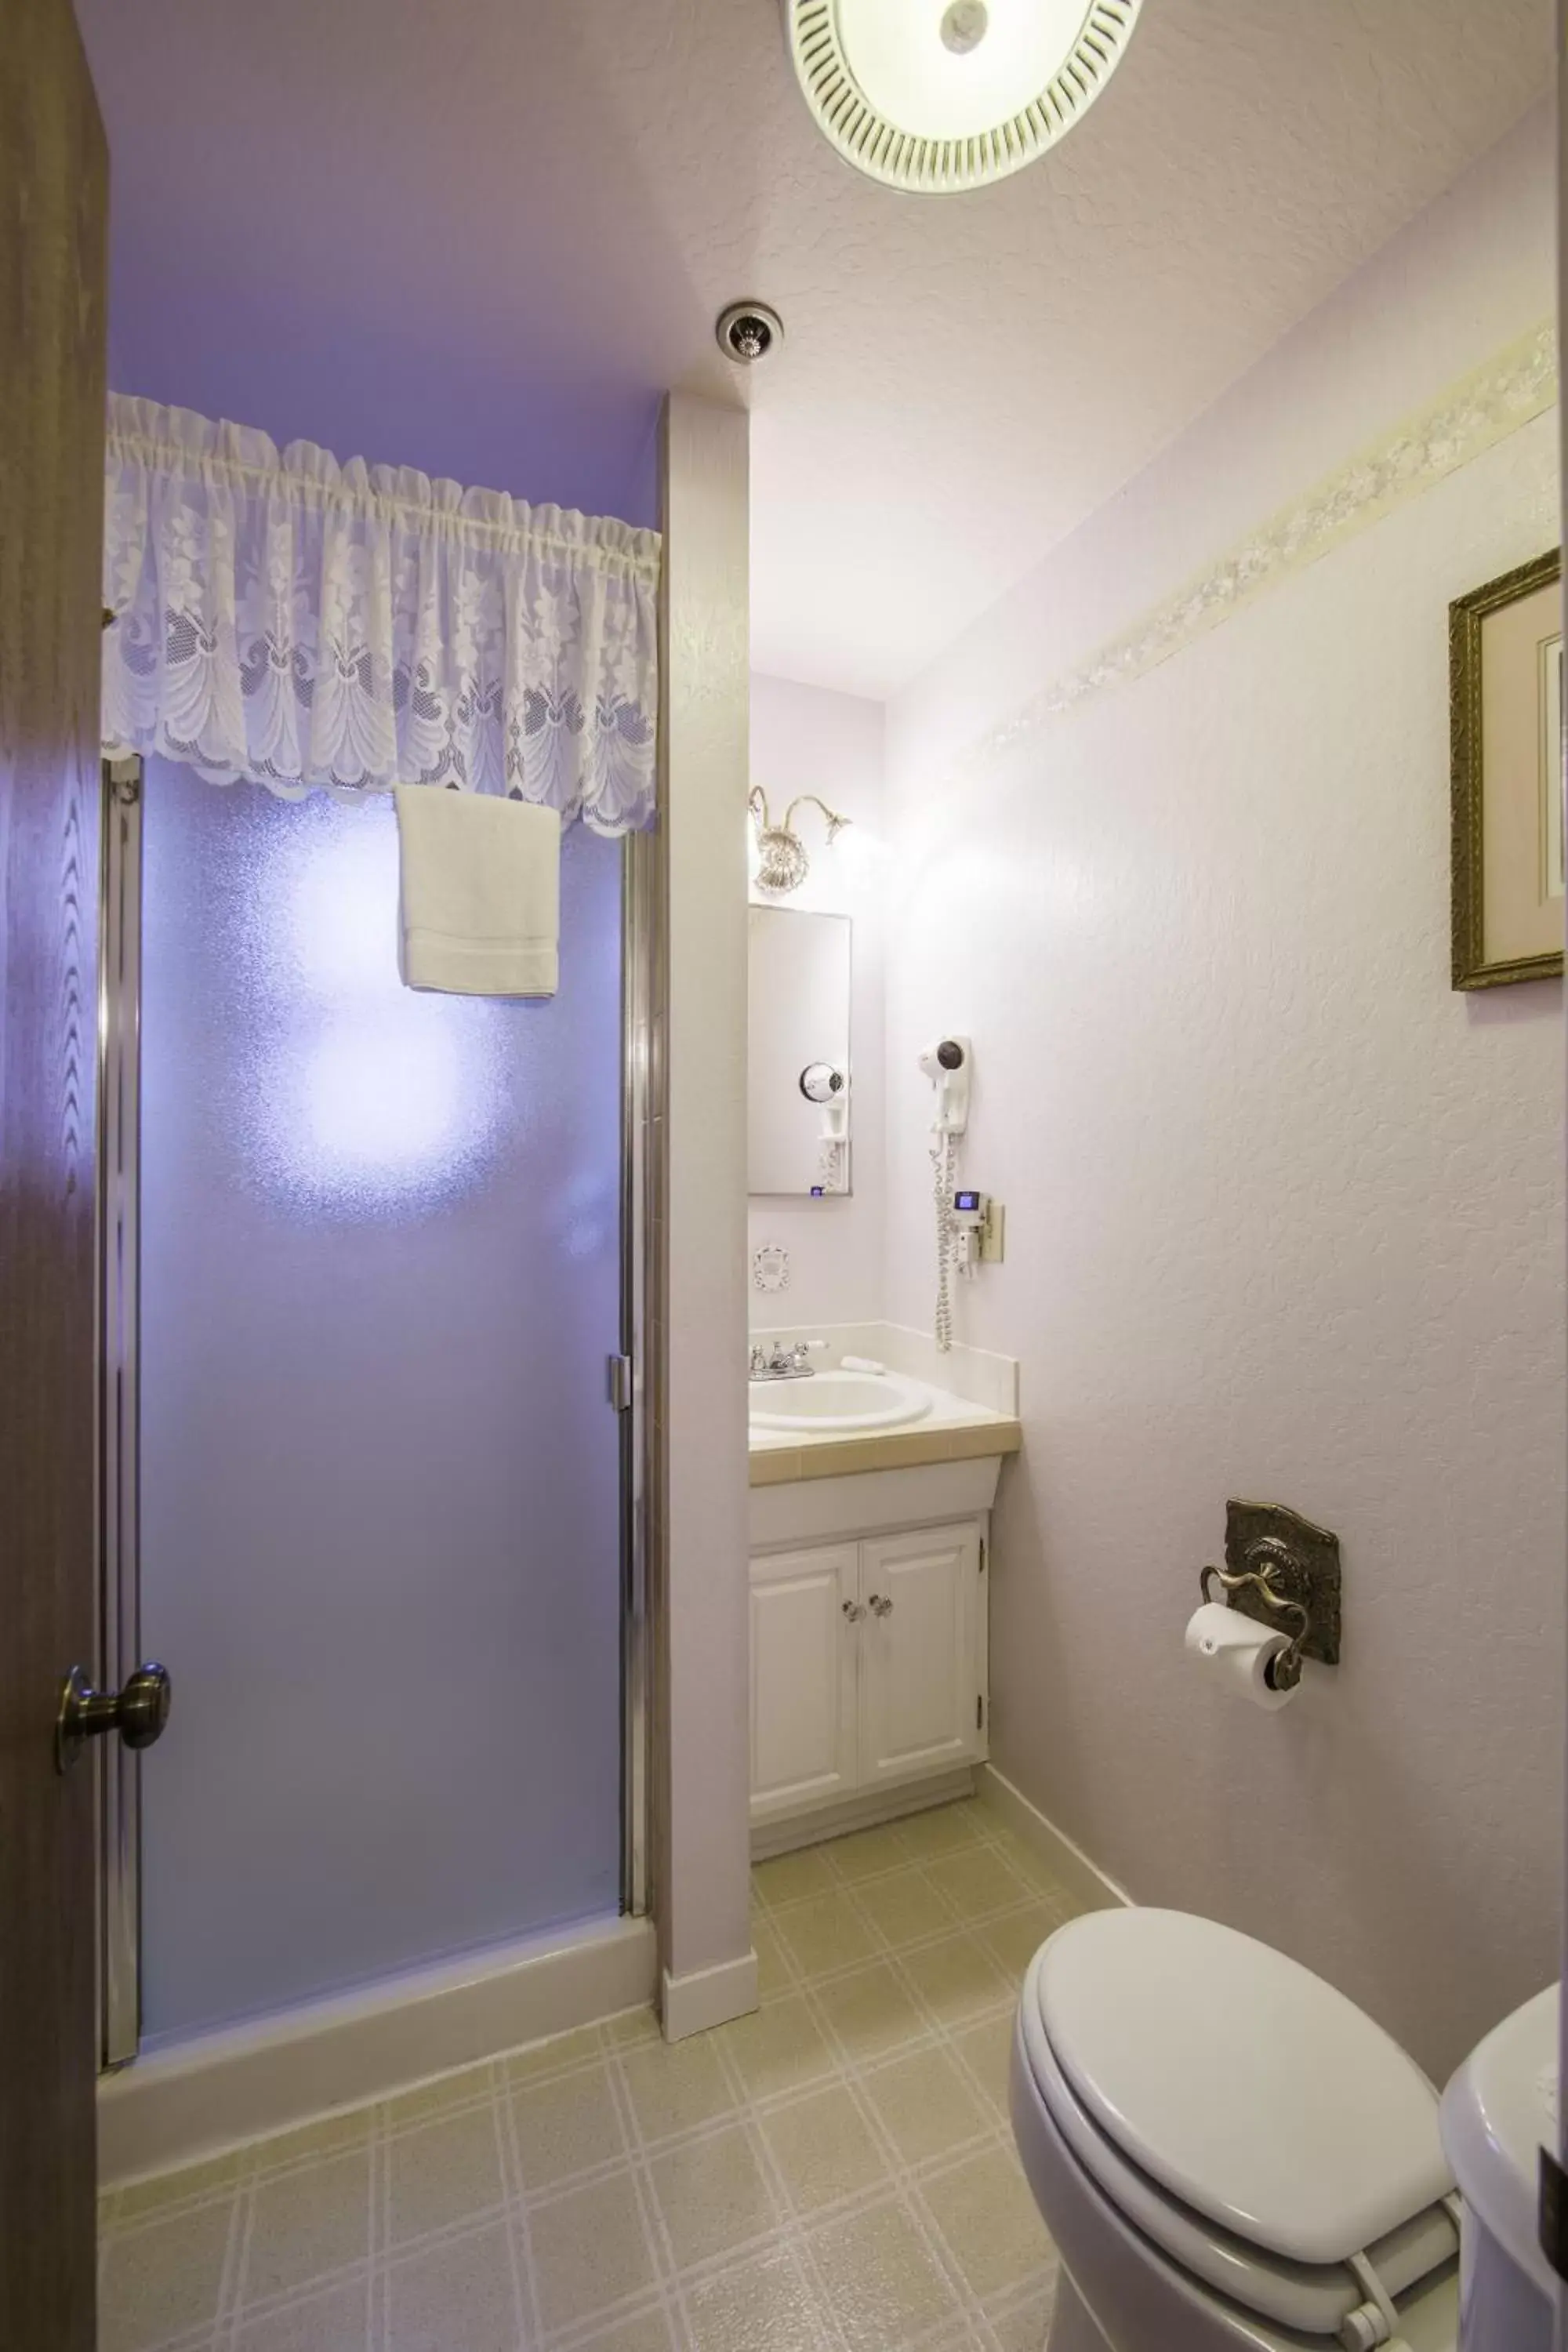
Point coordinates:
[[782, 862]]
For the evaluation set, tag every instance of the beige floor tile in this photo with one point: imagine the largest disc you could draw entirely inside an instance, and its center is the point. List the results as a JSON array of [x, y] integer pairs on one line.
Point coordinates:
[[824, 2149], [779, 2048], [646, 2331], [674, 2085], [986, 2050], [336, 2321], [443, 2172], [217, 2178], [945, 1828], [957, 1979], [824, 1933], [164, 2278], [308, 2223], [1018, 1935], [788, 1876], [328, 2136], [1022, 2327], [634, 2025], [869, 2011], [989, 2221], [765, 2305], [438, 2097], [565, 2124], [712, 2195], [870, 1852], [457, 2297], [977, 1881], [773, 1970], [925, 2104], [881, 2281], [563, 2051], [906, 1907], [589, 2250]]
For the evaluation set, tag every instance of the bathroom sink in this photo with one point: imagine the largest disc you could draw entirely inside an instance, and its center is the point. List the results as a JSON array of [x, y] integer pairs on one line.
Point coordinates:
[[838, 1401]]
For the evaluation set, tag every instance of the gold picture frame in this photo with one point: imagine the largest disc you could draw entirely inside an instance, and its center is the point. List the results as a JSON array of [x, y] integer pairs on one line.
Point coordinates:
[[1505, 697]]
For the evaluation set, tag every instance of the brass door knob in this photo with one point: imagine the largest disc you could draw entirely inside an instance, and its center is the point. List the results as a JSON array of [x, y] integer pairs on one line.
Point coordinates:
[[138, 1713]]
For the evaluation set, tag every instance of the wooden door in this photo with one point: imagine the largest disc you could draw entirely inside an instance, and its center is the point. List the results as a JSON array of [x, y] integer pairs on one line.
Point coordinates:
[[803, 1666], [53, 208], [922, 1674]]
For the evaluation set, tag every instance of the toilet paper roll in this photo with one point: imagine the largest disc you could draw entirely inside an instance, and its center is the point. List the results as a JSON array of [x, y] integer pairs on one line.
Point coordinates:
[[1236, 1649]]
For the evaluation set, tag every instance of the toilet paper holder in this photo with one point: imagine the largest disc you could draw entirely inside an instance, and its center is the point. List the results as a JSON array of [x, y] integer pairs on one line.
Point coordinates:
[[1283, 1572]]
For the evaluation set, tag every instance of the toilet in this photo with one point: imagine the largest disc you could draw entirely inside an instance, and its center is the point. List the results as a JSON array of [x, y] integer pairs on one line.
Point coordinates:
[[1228, 2153]]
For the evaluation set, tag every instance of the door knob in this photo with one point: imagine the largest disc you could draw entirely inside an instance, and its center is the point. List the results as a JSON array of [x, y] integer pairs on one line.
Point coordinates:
[[853, 1610], [880, 1605], [138, 1713]]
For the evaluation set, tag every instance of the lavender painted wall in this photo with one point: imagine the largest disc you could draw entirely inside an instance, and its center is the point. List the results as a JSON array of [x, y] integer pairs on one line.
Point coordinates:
[[1285, 1213]]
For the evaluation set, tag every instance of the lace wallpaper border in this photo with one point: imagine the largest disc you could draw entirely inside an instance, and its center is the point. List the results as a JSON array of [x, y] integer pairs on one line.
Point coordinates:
[[1517, 384]]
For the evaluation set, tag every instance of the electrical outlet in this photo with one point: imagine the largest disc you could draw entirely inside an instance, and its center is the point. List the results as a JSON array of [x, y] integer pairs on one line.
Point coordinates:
[[994, 1234]]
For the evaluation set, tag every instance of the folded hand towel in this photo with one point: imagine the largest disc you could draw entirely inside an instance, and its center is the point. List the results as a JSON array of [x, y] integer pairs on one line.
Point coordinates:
[[480, 912]]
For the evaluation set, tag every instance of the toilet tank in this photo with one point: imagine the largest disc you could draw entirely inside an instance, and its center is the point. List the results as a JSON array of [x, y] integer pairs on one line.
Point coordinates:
[[1498, 2111]]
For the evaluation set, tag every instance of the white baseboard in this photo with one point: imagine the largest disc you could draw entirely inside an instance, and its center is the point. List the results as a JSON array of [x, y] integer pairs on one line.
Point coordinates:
[[783, 1836], [190, 2101], [1068, 1863], [708, 1997]]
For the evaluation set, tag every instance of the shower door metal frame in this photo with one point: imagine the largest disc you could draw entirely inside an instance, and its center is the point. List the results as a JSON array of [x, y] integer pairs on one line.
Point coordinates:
[[119, 1403], [118, 1386]]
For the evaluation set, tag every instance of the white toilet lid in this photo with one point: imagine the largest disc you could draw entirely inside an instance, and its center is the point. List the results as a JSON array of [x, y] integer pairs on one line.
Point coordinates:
[[1241, 2082]]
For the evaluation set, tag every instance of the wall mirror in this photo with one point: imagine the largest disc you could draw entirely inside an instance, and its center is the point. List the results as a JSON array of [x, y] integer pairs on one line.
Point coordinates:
[[798, 1093]]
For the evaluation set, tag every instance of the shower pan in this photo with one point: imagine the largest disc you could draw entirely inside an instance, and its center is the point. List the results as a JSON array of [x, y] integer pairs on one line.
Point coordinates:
[[370, 1285]]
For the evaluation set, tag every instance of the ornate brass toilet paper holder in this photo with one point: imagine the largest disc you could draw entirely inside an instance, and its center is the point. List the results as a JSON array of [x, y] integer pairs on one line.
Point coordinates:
[[1283, 1572]]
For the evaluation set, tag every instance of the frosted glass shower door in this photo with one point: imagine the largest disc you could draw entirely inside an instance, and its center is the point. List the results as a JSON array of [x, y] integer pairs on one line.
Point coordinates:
[[381, 1530]]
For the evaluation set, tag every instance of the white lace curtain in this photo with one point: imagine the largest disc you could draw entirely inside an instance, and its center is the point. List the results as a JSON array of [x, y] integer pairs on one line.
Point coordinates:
[[316, 624]]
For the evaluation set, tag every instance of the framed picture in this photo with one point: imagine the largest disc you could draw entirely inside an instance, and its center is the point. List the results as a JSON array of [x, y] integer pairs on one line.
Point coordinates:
[[1505, 688]]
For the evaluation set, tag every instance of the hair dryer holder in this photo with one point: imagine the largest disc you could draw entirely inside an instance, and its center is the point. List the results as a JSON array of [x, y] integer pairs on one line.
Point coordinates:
[[1283, 1572]]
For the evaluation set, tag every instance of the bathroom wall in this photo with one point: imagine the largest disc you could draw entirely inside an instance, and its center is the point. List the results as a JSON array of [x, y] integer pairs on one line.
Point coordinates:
[[806, 739], [1284, 1212]]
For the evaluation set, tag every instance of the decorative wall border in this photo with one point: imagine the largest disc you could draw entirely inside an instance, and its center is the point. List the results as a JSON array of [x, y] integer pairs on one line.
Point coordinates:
[[1510, 390]]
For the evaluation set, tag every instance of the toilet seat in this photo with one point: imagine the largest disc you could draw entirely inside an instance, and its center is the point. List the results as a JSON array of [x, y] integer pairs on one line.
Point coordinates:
[[1154, 2041]]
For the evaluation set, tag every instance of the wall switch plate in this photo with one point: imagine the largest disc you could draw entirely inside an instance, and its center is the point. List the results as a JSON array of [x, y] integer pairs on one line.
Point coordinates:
[[994, 1234]]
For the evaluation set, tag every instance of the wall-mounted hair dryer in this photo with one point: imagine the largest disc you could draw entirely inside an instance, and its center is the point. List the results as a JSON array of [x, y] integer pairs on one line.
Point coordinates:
[[947, 1065]]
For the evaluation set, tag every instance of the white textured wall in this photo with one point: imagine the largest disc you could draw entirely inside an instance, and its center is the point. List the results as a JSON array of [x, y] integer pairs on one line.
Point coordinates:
[[703, 1881], [1284, 1212], [806, 739]]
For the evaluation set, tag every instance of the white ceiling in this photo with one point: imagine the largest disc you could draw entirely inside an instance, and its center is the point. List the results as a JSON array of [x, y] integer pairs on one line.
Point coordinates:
[[534, 210]]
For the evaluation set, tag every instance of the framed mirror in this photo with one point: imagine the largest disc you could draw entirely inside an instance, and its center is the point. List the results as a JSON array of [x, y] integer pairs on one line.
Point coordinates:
[[799, 1089]]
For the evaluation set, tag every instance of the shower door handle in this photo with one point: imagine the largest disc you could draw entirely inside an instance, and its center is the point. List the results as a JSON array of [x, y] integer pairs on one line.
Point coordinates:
[[138, 1713]]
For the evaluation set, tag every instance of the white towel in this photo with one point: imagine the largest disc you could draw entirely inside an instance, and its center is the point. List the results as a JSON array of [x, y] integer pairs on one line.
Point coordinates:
[[481, 893]]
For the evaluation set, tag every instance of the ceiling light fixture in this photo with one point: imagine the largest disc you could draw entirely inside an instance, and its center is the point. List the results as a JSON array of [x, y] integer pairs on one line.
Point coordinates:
[[942, 94], [782, 862]]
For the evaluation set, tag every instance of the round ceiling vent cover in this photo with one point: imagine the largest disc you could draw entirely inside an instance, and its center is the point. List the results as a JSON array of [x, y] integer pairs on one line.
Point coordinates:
[[941, 95]]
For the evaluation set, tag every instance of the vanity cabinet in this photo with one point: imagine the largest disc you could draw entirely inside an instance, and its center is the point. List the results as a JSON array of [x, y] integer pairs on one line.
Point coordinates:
[[869, 1666]]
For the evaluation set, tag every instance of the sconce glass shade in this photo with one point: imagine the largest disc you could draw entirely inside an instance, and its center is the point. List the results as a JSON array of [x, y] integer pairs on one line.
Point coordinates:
[[940, 95], [780, 862]]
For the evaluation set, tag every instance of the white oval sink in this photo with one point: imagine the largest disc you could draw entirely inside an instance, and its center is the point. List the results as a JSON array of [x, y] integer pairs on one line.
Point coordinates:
[[838, 1401]]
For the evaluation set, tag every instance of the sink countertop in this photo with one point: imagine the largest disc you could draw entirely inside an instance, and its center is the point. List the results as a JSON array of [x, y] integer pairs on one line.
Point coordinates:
[[953, 1431]]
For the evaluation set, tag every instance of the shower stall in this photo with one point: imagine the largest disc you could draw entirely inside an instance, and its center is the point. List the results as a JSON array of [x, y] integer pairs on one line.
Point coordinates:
[[370, 1283]]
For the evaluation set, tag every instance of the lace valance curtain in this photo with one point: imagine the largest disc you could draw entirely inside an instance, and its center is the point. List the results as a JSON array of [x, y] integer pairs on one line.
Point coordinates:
[[347, 626]]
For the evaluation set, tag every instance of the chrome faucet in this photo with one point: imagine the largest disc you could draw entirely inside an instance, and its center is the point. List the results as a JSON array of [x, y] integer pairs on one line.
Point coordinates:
[[781, 1363]]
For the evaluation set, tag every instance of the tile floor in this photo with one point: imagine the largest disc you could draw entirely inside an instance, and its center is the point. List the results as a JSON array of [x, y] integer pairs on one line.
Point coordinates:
[[833, 2174]]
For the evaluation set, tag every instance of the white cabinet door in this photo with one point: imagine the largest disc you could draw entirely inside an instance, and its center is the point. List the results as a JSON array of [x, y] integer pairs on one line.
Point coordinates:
[[804, 1666], [922, 1671]]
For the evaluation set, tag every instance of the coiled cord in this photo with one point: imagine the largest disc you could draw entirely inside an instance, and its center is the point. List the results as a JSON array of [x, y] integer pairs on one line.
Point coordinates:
[[941, 1161]]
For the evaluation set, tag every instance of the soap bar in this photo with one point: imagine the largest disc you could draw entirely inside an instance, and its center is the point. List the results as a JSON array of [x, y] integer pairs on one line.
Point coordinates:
[[861, 1364]]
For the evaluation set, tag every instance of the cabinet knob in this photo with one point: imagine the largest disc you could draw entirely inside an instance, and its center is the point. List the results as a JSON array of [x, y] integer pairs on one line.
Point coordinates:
[[853, 1610], [880, 1605]]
